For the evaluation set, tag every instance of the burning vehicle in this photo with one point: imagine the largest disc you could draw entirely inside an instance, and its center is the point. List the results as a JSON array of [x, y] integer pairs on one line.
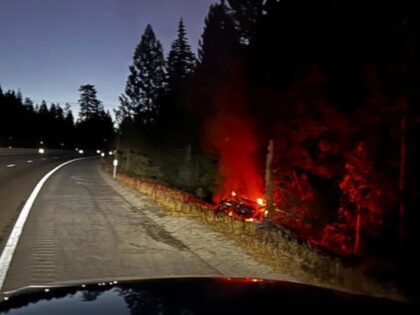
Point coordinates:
[[241, 208]]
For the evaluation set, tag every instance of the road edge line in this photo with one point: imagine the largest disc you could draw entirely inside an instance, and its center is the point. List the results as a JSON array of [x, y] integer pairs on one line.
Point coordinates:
[[12, 241]]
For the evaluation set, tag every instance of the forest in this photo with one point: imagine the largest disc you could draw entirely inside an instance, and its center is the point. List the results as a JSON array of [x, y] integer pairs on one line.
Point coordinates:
[[29, 125], [332, 85]]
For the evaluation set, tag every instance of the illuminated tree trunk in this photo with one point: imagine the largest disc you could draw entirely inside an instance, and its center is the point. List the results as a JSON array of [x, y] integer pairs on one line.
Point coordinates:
[[402, 167], [357, 232], [269, 180]]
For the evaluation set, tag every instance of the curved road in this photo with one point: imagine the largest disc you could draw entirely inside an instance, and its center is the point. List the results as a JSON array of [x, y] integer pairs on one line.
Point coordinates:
[[84, 226], [79, 228], [20, 171]]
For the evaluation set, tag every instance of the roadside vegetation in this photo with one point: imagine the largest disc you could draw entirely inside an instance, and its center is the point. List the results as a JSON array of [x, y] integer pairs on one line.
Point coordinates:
[[267, 243], [335, 108]]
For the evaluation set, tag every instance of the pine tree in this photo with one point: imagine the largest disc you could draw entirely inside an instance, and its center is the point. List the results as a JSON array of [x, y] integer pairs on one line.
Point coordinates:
[[247, 14], [53, 111], [67, 110], [125, 111], [68, 126], [90, 106], [95, 127], [29, 104], [219, 40], [181, 60], [59, 114], [69, 118], [43, 109], [43, 122], [19, 96], [146, 82]]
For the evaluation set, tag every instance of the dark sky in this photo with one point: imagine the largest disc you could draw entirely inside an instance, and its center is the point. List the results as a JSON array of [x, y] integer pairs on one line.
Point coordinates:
[[50, 47]]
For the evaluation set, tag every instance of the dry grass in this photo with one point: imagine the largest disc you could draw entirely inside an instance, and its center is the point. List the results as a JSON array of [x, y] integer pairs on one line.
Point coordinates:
[[266, 243]]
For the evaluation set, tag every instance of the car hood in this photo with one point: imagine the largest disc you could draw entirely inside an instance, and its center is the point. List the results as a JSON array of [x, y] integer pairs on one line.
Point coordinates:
[[186, 296]]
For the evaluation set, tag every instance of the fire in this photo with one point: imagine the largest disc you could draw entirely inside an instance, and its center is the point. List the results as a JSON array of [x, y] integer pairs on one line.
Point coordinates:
[[253, 280], [256, 280], [237, 149], [261, 201]]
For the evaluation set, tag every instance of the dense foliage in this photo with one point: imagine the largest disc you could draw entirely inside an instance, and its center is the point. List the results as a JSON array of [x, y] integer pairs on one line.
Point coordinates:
[[332, 84]]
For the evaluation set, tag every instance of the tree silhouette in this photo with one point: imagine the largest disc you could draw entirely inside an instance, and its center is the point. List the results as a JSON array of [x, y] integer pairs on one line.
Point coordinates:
[[124, 110], [43, 123], [218, 51], [95, 127], [23, 124], [90, 106], [181, 60], [146, 82], [180, 68], [68, 127], [219, 40], [247, 14]]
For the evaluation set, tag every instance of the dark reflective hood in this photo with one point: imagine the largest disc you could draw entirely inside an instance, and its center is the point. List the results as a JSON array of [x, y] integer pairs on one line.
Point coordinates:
[[189, 296]]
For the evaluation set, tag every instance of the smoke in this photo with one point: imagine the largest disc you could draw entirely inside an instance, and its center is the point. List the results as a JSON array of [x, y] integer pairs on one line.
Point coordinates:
[[229, 132], [235, 143]]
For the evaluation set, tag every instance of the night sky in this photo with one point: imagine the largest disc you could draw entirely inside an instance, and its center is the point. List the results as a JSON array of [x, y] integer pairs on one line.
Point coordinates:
[[48, 48]]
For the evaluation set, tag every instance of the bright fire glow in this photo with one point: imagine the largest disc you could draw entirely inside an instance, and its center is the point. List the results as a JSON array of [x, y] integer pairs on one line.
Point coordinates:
[[234, 194], [237, 149], [253, 280], [260, 201], [249, 220]]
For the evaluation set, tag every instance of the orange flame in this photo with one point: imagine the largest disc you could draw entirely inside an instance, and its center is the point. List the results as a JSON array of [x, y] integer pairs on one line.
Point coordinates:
[[260, 201]]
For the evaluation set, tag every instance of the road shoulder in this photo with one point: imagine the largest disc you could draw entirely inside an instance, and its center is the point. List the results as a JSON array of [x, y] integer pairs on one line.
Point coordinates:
[[212, 247]]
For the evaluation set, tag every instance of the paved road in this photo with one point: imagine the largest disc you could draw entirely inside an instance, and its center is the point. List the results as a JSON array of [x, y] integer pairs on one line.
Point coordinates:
[[20, 170], [79, 228], [83, 227]]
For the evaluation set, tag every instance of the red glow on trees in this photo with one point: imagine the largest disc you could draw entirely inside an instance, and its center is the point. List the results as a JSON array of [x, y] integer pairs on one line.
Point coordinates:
[[366, 197], [328, 187], [235, 143]]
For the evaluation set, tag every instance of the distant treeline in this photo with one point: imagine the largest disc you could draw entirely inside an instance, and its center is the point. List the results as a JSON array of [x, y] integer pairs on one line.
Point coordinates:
[[25, 124]]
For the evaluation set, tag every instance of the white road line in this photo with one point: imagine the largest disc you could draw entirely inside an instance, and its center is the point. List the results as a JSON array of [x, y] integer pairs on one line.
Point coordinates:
[[10, 247], [29, 161], [11, 165]]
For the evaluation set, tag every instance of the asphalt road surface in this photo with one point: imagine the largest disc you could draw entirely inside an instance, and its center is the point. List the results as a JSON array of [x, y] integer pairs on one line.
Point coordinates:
[[79, 229], [20, 171], [83, 226]]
